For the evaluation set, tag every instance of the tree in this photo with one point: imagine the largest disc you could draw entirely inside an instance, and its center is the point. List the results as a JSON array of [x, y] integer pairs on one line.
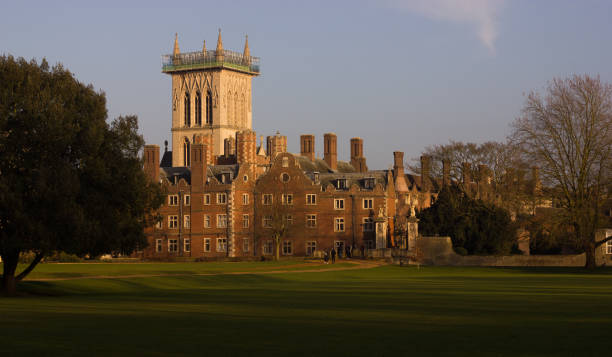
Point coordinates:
[[568, 133], [69, 181], [473, 225], [277, 221]]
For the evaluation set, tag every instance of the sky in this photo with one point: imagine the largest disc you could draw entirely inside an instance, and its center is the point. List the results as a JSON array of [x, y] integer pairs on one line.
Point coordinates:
[[401, 74]]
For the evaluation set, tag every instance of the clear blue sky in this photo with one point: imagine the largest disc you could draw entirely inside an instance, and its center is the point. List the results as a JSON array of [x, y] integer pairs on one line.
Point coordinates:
[[401, 74]]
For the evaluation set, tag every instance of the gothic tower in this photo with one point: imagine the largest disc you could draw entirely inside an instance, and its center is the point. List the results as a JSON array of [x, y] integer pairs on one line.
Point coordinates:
[[211, 96]]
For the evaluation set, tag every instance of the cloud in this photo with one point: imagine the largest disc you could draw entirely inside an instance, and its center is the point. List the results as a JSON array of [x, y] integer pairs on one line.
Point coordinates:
[[482, 14]]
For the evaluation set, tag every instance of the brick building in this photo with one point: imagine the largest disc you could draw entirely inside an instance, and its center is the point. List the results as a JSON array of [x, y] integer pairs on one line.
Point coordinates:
[[224, 191]]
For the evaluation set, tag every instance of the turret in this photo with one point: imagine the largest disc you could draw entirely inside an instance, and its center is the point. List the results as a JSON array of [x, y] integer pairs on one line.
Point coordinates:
[[219, 54]]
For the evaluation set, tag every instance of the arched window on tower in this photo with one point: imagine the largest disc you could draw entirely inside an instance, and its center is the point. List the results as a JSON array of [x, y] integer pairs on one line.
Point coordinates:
[[187, 110], [209, 108], [198, 109], [186, 153]]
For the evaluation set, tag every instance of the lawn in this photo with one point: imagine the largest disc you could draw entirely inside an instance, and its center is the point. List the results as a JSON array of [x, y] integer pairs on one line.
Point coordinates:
[[384, 311]]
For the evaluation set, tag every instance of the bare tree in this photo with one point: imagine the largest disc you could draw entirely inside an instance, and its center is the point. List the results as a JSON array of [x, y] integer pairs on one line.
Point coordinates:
[[568, 133], [277, 220]]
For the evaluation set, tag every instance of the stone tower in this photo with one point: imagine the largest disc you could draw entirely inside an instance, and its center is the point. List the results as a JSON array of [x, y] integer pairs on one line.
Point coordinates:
[[211, 96]]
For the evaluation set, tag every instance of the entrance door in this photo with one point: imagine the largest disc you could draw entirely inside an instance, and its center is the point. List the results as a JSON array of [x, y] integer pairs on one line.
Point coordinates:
[[339, 248]]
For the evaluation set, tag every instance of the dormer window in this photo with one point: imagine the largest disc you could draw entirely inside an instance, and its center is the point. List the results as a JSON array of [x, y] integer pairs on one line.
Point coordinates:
[[369, 183], [225, 177], [341, 184], [315, 176]]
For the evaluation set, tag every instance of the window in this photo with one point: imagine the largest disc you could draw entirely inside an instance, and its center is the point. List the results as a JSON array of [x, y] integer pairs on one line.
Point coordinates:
[[158, 245], [172, 221], [198, 109], [311, 247], [339, 224], [245, 221], [341, 184], [245, 198], [370, 244], [287, 247], [267, 222], [221, 244], [245, 178], [267, 199], [187, 200], [245, 245], [368, 203], [221, 220], [207, 244], [209, 108], [267, 247], [187, 245], [206, 199], [187, 221], [285, 161], [311, 220], [186, 153], [288, 220], [311, 199], [609, 247], [339, 203], [159, 224], [369, 183], [173, 200], [285, 177], [221, 198], [187, 108], [368, 224], [206, 221], [287, 199], [172, 245]]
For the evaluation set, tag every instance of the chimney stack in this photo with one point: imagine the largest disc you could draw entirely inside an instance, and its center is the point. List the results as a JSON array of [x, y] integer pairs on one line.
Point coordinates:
[[307, 146], [446, 166], [330, 150], [358, 161], [198, 166], [246, 146], [151, 162], [425, 172], [398, 163]]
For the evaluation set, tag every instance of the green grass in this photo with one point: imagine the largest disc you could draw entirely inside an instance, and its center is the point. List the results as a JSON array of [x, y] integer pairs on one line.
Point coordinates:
[[386, 311]]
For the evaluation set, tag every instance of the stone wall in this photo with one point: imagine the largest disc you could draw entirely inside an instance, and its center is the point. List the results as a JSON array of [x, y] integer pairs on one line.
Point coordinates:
[[439, 251]]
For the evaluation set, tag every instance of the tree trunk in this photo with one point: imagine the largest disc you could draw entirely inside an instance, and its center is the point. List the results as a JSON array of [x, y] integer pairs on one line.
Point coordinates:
[[589, 251], [31, 267], [277, 249], [9, 284]]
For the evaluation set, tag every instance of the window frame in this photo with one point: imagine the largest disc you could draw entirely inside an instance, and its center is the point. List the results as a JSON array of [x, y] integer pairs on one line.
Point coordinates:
[[206, 221], [245, 199], [311, 221], [368, 222], [221, 198], [267, 199], [287, 247], [221, 245], [206, 199], [245, 221], [173, 200], [187, 245], [206, 245], [187, 200], [311, 248], [311, 199], [287, 199], [339, 225], [173, 245], [364, 204], [173, 221], [159, 245], [246, 245], [339, 204], [186, 221], [221, 223]]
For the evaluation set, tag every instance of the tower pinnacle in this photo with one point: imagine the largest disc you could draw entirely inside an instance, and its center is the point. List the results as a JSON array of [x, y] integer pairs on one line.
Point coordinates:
[[176, 46], [204, 47], [219, 53], [247, 52]]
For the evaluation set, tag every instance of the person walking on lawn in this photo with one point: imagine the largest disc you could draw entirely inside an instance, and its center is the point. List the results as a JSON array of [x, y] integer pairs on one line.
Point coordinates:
[[333, 254]]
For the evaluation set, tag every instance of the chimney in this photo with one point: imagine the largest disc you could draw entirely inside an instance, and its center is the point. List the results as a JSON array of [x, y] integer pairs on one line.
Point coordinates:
[[483, 173], [276, 144], [446, 166], [466, 173], [207, 141], [151, 162], [228, 146], [307, 146], [357, 159], [246, 146], [198, 166], [425, 172], [330, 150], [398, 163]]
